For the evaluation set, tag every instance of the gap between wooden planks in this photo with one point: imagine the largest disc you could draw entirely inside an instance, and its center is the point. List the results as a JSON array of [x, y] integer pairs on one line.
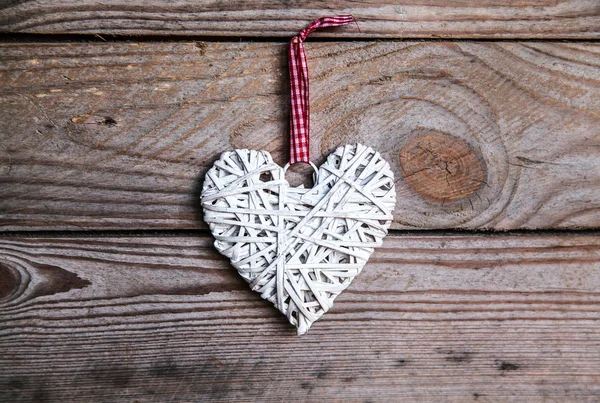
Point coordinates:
[[495, 135], [548, 19], [459, 317]]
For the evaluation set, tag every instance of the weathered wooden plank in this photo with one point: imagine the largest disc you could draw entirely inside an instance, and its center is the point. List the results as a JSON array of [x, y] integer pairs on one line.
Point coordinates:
[[480, 135], [395, 19], [501, 318]]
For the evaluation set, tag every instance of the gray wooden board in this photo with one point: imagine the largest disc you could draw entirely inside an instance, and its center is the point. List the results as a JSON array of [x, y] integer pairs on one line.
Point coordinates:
[[549, 19], [451, 317], [497, 135]]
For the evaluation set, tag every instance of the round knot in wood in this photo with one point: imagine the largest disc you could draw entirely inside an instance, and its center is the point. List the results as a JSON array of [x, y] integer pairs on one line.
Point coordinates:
[[441, 167], [9, 281]]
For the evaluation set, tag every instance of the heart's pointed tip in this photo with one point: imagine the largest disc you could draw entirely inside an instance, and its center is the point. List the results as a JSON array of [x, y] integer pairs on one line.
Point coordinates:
[[302, 329]]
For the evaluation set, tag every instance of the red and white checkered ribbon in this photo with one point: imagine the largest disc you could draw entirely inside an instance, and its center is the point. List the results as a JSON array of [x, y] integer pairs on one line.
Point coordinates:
[[300, 108]]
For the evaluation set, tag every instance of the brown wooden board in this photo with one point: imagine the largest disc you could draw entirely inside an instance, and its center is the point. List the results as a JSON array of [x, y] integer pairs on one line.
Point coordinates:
[[392, 19], [498, 135], [455, 317]]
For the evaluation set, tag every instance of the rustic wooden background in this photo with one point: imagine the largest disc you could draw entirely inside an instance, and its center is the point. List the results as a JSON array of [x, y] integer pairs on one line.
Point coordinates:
[[487, 288]]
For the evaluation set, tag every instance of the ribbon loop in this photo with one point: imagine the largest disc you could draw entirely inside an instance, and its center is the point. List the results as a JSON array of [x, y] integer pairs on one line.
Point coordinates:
[[300, 107]]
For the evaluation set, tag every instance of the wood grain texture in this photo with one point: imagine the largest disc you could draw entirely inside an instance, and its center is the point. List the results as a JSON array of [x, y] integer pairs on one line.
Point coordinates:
[[479, 135], [461, 318], [392, 19]]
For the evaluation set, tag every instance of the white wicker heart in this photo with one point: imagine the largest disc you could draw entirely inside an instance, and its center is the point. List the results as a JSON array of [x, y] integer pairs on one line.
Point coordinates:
[[300, 248]]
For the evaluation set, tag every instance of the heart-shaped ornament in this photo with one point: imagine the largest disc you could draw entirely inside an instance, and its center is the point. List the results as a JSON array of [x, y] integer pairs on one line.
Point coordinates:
[[300, 248]]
